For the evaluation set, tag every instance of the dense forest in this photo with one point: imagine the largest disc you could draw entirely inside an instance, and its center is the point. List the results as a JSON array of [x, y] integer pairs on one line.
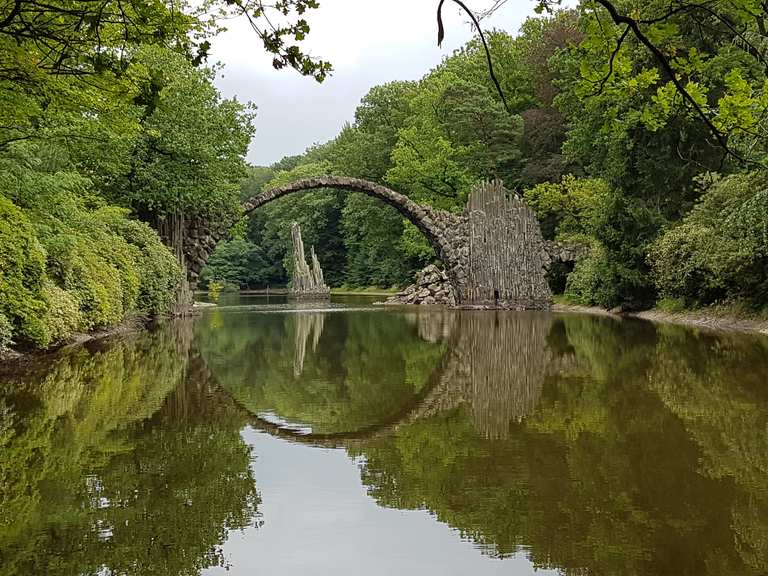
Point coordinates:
[[637, 129], [670, 198]]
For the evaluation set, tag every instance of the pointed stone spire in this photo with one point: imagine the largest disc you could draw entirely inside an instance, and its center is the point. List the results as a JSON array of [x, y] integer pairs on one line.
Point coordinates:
[[307, 283]]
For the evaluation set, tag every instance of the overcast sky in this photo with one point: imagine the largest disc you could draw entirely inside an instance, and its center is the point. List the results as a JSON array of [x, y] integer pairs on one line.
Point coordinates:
[[369, 42]]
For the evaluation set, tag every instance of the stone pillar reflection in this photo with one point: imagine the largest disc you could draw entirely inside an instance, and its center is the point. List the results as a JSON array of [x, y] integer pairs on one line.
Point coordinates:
[[508, 362], [308, 325]]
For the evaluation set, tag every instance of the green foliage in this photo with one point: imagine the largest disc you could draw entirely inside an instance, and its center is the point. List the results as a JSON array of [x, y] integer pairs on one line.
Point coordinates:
[[707, 70], [158, 270], [23, 272], [62, 315], [455, 135], [570, 207], [115, 107], [72, 263], [188, 158], [6, 333], [214, 290], [367, 226], [720, 250], [239, 263], [588, 284]]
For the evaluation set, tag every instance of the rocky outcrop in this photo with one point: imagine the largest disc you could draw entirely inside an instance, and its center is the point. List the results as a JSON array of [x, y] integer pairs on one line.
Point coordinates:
[[307, 282], [565, 252], [432, 288]]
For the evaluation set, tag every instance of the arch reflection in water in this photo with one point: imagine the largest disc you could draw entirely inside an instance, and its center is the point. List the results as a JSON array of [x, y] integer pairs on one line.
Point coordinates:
[[645, 454], [331, 372], [370, 372]]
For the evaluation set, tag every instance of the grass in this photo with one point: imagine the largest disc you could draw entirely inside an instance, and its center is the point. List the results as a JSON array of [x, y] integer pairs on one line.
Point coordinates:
[[561, 299]]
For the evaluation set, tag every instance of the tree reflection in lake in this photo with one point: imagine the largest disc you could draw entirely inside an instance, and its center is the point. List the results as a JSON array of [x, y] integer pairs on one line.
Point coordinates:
[[360, 369], [120, 461], [590, 445], [646, 454]]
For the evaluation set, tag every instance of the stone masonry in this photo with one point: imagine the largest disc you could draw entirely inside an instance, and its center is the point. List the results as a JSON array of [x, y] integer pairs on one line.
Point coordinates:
[[493, 253]]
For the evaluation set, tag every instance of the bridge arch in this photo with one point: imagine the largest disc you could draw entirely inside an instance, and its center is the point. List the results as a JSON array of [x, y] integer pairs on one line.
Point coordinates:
[[444, 230], [430, 221], [494, 254]]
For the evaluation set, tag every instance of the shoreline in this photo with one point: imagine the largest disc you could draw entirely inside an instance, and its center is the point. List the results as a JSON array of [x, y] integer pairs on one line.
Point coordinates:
[[129, 326], [705, 319], [362, 292]]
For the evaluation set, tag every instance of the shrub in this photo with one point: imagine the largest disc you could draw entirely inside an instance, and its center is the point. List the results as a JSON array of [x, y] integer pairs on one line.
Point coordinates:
[[89, 276], [157, 269], [22, 263], [584, 283], [62, 316], [568, 207], [214, 290], [70, 262], [6, 333], [720, 250]]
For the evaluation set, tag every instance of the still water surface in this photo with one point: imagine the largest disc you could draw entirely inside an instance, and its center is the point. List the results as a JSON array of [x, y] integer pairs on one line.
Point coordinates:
[[354, 440]]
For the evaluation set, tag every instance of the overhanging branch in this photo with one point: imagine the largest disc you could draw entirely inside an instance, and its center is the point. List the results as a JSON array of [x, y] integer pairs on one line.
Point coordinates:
[[441, 35]]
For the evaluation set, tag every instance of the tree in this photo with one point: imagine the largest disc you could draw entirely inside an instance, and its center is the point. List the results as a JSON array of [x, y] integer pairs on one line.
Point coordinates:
[[81, 37], [189, 158], [732, 112]]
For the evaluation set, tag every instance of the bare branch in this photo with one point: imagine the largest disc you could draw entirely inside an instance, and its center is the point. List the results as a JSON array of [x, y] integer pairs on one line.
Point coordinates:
[[441, 35]]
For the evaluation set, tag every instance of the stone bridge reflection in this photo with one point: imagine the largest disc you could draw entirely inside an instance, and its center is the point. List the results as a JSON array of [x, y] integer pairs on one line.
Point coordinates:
[[494, 364]]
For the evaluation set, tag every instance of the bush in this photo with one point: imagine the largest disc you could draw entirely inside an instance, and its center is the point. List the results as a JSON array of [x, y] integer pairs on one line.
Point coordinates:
[[568, 207], [70, 262], [586, 281], [6, 333], [95, 284], [22, 262], [720, 250], [157, 269], [62, 316], [214, 290]]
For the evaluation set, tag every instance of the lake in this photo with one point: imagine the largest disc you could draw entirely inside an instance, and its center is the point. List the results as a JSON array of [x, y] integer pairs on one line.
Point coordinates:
[[349, 439]]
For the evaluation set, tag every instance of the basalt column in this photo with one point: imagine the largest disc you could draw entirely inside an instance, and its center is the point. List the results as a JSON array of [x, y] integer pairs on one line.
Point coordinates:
[[507, 255], [307, 283]]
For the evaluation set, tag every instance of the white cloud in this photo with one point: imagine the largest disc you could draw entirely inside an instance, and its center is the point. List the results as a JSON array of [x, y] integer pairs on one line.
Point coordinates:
[[369, 42]]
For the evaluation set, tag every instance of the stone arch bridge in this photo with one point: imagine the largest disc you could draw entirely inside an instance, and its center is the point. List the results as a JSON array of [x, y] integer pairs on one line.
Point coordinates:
[[493, 252]]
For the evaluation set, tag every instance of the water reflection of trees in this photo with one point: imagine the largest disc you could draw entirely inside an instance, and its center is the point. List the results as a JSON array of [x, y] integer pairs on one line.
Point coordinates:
[[645, 454], [597, 446], [119, 459], [360, 368]]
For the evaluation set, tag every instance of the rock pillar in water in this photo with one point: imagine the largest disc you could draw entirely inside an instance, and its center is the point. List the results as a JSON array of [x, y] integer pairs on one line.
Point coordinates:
[[308, 282]]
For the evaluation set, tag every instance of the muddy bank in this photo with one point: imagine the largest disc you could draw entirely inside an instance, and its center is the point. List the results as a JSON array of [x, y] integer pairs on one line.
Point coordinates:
[[707, 319]]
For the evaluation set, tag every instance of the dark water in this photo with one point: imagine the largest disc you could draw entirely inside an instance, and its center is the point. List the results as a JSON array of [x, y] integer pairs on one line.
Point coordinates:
[[351, 440]]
